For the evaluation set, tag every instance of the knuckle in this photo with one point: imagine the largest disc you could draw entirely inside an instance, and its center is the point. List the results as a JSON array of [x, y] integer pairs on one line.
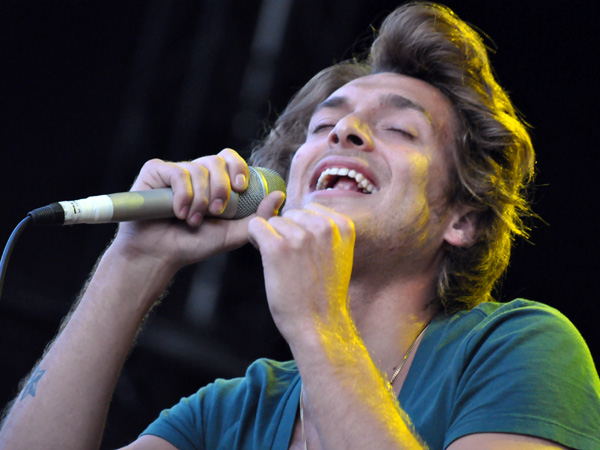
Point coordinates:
[[219, 161], [198, 170], [152, 163], [200, 202], [210, 161], [228, 152], [324, 227], [233, 160], [346, 226], [179, 168], [301, 240]]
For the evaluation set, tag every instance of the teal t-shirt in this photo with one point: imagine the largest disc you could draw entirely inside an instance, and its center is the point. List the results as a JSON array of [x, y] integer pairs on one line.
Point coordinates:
[[519, 367]]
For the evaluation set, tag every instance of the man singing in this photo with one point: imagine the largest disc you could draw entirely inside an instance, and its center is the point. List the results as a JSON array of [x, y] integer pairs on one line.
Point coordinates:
[[406, 176]]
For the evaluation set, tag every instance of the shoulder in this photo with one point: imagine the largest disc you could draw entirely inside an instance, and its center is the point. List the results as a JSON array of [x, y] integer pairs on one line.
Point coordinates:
[[514, 367], [516, 320], [520, 334], [519, 308], [494, 311]]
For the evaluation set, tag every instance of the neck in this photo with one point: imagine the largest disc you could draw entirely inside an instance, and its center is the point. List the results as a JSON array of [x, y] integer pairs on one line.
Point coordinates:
[[389, 312]]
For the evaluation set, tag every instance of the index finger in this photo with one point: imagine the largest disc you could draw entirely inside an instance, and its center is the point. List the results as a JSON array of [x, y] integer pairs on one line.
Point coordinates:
[[343, 222], [236, 167]]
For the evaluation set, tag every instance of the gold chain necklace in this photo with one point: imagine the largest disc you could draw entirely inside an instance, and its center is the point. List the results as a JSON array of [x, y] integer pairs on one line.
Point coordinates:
[[394, 376]]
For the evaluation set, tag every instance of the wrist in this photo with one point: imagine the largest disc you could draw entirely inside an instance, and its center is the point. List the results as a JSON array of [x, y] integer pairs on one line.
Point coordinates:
[[330, 337], [133, 279]]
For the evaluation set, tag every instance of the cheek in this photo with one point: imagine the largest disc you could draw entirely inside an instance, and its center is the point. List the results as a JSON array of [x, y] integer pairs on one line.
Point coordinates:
[[412, 194], [439, 184], [417, 174], [298, 157], [293, 196], [303, 152], [297, 179], [419, 165]]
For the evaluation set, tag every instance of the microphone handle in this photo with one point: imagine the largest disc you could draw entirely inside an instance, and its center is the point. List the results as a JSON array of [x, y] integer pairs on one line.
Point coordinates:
[[119, 207], [153, 204]]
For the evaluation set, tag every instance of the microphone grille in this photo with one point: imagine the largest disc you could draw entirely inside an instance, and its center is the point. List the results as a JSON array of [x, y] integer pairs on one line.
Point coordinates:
[[262, 181]]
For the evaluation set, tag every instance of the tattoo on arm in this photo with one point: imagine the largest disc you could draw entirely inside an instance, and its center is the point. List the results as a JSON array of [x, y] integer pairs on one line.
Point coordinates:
[[31, 386]]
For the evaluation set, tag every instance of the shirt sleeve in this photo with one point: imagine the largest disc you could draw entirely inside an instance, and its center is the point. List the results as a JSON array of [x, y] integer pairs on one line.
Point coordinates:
[[181, 425], [210, 418], [528, 371], [252, 412]]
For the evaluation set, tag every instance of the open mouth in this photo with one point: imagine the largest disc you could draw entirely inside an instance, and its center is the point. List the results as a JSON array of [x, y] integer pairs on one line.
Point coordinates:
[[342, 178]]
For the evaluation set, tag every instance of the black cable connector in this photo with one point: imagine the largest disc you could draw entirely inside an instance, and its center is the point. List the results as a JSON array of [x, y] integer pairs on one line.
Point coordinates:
[[52, 214]]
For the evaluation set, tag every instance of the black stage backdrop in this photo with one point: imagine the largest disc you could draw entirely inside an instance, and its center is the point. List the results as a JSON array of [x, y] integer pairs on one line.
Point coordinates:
[[90, 90]]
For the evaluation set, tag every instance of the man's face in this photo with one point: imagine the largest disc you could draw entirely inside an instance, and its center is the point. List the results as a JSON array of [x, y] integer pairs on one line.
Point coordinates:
[[377, 150]]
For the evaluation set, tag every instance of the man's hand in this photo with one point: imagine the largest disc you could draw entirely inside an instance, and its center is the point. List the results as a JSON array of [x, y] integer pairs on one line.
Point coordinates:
[[75, 379], [201, 188], [307, 256]]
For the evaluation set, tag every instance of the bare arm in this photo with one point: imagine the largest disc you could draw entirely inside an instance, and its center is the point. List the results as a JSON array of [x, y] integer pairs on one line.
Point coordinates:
[[65, 402], [344, 390], [345, 393]]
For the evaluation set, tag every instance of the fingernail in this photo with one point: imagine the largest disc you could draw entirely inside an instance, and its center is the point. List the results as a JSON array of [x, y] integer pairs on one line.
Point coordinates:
[[279, 205], [196, 219], [184, 211], [240, 181], [217, 206]]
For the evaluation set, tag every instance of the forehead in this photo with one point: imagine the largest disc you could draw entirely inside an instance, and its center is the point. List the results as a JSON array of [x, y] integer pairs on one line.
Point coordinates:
[[392, 89]]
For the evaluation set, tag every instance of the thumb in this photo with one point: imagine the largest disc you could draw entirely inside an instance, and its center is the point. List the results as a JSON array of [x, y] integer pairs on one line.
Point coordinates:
[[237, 230], [271, 205]]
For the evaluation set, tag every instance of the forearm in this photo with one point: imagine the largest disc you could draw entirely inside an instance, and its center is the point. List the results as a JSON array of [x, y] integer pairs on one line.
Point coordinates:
[[64, 404], [349, 399]]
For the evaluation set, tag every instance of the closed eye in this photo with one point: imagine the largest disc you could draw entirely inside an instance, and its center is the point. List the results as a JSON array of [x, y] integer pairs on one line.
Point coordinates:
[[405, 133], [322, 126]]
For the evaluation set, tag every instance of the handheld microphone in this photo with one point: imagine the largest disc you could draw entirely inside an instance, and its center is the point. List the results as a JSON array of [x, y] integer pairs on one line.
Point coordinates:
[[153, 204]]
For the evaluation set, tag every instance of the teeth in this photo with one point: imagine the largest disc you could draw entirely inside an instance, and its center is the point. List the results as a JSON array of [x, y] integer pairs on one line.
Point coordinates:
[[362, 182]]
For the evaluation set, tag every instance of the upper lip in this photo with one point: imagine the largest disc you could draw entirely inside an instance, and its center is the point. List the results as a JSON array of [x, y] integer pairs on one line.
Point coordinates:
[[343, 162]]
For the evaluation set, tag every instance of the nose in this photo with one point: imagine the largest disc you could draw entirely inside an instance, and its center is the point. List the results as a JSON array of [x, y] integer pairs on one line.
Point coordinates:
[[351, 132]]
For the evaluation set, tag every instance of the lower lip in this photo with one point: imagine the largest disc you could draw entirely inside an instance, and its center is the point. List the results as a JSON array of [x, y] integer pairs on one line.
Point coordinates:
[[337, 193]]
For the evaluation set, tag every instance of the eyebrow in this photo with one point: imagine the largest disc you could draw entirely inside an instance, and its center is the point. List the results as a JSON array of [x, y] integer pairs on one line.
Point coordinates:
[[387, 100], [332, 102], [401, 102]]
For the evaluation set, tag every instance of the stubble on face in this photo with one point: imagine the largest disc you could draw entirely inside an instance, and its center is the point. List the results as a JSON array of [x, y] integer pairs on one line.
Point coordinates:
[[416, 205]]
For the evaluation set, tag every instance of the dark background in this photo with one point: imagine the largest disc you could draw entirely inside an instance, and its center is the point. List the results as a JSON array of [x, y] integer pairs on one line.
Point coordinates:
[[89, 90]]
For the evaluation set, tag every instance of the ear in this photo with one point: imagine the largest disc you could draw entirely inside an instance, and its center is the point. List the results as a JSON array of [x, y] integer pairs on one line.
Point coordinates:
[[462, 230]]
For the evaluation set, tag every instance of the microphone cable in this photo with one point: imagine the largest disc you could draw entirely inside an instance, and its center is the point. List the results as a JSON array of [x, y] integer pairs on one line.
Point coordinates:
[[8, 248]]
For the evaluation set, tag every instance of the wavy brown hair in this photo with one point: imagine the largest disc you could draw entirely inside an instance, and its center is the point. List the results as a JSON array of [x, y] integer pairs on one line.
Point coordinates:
[[492, 152]]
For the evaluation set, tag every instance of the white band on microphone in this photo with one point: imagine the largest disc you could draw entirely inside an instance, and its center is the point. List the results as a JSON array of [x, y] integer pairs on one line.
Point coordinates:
[[96, 209]]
